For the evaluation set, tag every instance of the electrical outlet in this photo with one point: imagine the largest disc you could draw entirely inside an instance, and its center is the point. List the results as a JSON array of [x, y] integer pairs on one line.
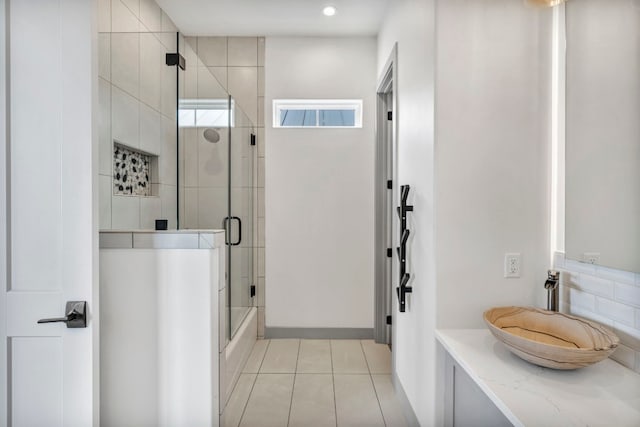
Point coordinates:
[[512, 265], [591, 257]]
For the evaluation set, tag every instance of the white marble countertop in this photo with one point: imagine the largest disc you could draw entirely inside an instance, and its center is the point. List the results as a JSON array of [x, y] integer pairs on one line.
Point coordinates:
[[161, 239], [180, 231], [604, 394]]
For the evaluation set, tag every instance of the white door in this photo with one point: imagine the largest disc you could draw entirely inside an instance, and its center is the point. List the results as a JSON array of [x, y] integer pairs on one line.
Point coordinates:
[[48, 231]]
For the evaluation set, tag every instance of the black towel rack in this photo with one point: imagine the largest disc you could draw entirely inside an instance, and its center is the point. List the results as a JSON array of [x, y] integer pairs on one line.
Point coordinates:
[[403, 289]]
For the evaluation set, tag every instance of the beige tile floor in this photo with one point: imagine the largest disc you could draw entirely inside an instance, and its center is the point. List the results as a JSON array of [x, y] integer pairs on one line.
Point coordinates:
[[315, 383]]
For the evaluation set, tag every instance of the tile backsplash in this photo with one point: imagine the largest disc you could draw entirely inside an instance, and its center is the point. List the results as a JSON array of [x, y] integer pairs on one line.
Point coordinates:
[[607, 296]]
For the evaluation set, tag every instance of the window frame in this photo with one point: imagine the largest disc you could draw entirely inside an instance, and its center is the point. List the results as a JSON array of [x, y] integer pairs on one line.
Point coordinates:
[[317, 104]]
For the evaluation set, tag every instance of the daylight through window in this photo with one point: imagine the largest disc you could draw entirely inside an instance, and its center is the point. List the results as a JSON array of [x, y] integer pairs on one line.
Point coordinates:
[[314, 113]]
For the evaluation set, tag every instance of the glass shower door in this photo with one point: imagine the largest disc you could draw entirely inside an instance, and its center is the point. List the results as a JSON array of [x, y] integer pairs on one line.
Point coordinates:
[[241, 217], [216, 175]]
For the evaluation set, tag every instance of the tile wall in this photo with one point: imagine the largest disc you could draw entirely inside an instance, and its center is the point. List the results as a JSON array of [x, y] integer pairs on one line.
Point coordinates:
[[137, 96], [607, 296], [238, 65]]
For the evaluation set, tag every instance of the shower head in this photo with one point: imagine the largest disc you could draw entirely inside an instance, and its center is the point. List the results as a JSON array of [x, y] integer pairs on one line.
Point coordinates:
[[211, 135]]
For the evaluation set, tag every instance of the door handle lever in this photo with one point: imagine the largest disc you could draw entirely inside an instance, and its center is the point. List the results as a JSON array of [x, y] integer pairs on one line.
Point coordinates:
[[76, 316]]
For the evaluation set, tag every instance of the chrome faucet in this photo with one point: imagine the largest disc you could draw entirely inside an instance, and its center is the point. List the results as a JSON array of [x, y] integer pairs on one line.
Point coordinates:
[[552, 287]]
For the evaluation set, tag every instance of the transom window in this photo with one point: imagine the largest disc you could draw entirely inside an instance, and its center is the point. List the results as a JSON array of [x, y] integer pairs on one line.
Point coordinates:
[[205, 113], [317, 113]]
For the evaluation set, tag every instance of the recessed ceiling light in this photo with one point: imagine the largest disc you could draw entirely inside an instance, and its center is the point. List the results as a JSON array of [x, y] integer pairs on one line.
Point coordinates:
[[329, 11]]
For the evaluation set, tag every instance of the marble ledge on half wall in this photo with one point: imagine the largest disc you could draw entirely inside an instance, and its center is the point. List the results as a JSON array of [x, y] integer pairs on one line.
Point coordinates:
[[169, 239]]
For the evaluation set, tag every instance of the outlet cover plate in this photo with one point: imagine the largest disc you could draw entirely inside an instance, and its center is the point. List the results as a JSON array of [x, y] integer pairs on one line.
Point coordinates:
[[512, 265], [591, 257]]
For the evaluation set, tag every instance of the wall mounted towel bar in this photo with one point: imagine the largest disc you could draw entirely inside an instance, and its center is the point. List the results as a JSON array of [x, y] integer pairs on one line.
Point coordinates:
[[404, 288]]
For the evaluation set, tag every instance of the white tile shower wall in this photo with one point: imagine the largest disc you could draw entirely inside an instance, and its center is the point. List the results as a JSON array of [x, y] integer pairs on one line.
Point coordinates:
[[137, 95], [237, 63], [607, 296]]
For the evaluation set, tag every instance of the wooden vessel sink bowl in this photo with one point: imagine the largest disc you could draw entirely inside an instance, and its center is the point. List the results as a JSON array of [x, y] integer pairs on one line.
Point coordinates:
[[551, 339]]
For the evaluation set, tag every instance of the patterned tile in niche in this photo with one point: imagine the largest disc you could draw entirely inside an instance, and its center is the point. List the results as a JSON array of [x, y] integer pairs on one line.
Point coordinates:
[[131, 171]]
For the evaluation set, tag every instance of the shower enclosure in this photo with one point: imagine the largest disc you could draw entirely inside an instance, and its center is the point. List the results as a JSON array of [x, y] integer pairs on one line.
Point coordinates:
[[216, 179], [175, 145]]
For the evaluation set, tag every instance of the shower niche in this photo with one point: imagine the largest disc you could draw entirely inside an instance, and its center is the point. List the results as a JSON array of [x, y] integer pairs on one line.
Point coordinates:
[[133, 171]]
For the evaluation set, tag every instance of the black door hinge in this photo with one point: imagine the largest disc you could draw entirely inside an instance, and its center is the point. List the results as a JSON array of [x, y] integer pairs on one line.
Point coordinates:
[[252, 290], [172, 59], [389, 184], [389, 252], [389, 320], [389, 115], [253, 139]]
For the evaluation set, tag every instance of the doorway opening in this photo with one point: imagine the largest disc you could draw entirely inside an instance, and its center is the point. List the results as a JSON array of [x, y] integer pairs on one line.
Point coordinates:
[[385, 199]]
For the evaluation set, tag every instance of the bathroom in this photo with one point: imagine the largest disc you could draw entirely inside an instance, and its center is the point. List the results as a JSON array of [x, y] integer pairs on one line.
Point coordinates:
[[489, 100]]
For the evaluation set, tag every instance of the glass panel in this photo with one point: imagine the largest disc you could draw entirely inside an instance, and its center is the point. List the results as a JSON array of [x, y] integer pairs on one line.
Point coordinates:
[[204, 146], [137, 98], [298, 117], [217, 175], [242, 212], [337, 118]]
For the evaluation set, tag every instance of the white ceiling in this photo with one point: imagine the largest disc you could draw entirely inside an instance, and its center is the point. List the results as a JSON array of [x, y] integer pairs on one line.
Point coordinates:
[[275, 17]]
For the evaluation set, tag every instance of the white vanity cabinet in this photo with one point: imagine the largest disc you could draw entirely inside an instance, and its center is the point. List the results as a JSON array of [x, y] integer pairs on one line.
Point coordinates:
[[483, 384], [466, 405]]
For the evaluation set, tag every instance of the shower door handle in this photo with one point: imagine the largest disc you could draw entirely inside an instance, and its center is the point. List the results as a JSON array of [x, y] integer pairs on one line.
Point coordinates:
[[227, 228], [239, 231]]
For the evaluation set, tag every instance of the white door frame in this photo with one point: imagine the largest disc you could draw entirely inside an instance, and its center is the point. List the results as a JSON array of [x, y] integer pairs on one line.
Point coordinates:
[[79, 214], [4, 273], [385, 198]]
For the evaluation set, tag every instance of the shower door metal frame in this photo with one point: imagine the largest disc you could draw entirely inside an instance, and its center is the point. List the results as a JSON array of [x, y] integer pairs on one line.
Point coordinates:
[[227, 231]]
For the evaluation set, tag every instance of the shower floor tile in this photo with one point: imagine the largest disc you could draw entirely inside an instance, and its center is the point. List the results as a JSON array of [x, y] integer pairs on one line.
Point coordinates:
[[315, 383]]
